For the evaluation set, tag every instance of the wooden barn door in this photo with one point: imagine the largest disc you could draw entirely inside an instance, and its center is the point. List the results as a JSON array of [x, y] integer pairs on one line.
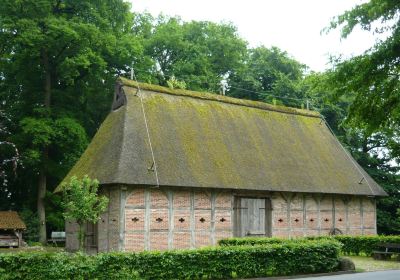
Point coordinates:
[[253, 216], [91, 237]]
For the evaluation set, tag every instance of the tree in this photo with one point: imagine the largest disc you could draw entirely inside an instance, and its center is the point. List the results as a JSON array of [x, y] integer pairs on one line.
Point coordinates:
[[373, 82], [201, 53], [82, 204], [267, 74], [373, 77], [371, 153], [374, 152], [59, 61]]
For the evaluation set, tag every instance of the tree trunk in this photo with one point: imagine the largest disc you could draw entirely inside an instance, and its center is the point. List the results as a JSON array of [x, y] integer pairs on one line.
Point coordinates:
[[40, 202], [81, 237], [42, 184]]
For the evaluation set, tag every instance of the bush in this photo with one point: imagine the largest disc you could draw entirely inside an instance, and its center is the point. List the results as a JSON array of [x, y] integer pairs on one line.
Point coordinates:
[[37, 266], [31, 220], [356, 245], [251, 241], [352, 245], [208, 263]]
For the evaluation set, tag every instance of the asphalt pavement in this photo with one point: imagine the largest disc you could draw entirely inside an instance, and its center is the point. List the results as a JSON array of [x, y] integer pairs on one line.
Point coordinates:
[[380, 275]]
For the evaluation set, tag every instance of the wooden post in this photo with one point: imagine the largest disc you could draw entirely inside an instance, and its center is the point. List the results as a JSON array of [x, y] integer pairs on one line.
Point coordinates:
[[268, 217], [147, 219], [236, 217], [170, 195], [333, 213], [346, 200], [19, 235], [122, 218], [192, 222], [362, 215], [305, 226], [213, 199]]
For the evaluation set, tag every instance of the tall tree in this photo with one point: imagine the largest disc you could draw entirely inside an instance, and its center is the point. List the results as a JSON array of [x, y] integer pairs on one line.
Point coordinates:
[[372, 77], [199, 53], [57, 58], [267, 74]]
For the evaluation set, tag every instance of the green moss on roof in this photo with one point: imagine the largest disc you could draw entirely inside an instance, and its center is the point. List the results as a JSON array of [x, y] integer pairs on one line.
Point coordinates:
[[208, 141], [220, 98], [11, 220]]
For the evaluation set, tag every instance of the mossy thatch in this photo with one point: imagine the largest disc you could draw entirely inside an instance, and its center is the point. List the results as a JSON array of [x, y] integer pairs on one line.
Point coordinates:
[[213, 141], [221, 98]]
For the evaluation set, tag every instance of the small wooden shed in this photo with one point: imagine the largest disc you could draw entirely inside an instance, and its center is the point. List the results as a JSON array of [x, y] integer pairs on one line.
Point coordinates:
[[11, 228], [184, 169]]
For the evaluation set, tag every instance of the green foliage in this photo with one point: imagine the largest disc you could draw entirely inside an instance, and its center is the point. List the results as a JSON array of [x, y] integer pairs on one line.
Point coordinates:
[[208, 263], [82, 204], [356, 245], [375, 152], [268, 73], [59, 62], [31, 220], [374, 155], [90, 43], [372, 77], [240, 241], [175, 83], [81, 201], [37, 266], [54, 212], [199, 53], [351, 245], [371, 80]]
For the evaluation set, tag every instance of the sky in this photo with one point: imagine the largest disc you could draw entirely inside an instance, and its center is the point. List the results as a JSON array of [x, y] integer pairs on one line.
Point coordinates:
[[292, 25]]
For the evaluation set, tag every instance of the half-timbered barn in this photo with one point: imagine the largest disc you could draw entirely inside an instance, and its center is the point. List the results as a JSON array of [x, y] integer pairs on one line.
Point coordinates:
[[184, 169]]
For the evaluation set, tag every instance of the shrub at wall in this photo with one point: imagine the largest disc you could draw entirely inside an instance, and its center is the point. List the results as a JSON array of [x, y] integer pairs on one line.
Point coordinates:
[[251, 241], [209, 263], [356, 245], [352, 245]]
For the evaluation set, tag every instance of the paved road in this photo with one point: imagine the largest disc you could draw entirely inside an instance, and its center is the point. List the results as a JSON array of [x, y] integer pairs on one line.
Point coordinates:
[[380, 275]]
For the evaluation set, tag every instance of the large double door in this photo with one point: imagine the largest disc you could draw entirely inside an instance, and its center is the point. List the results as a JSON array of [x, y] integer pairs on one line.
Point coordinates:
[[252, 216]]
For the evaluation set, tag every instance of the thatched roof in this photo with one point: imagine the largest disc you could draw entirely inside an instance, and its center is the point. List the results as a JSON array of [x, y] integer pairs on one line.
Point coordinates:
[[11, 220], [212, 141]]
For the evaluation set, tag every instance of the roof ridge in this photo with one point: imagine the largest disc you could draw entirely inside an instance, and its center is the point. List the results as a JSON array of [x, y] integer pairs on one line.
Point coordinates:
[[220, 98]]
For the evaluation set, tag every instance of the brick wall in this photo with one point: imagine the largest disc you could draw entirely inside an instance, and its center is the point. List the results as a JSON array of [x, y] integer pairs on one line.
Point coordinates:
[[177, 218], [161, 219], [296, 215]]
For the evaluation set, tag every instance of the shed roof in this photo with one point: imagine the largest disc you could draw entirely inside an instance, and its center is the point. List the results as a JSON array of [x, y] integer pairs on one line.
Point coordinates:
[[213, 141], [11, 220]]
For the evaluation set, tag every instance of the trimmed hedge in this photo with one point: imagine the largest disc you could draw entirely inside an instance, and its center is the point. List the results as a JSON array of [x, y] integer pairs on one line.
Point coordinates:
[[352, 245], [251, 241], [356, 245], [209, 263]]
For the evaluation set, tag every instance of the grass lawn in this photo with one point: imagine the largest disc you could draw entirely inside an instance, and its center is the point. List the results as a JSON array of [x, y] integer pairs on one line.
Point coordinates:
[[369, 264]]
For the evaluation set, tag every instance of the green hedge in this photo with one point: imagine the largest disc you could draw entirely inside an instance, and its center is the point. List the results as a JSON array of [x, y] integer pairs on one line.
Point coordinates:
[[209, 263], [352, 245], [356, 245], [251, 241]]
